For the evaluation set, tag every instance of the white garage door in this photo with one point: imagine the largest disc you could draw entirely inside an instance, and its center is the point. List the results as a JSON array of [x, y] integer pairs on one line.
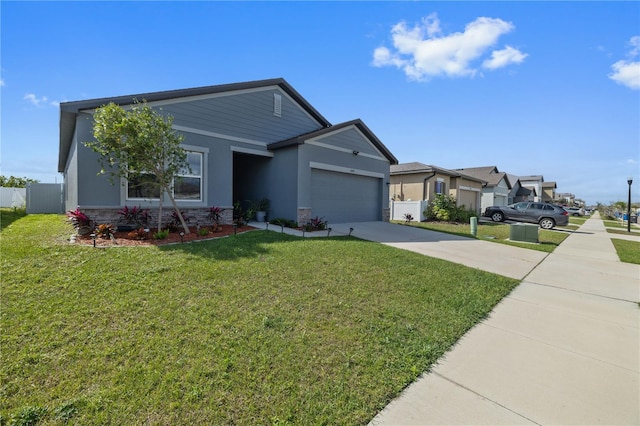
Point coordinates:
[[342, 197]]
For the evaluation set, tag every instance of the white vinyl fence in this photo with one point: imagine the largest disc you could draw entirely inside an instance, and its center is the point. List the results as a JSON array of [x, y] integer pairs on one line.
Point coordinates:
[[415, 208], [13, 197]]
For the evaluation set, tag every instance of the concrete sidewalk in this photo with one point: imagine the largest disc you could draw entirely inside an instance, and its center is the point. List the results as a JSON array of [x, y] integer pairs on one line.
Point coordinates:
[[562, 348]]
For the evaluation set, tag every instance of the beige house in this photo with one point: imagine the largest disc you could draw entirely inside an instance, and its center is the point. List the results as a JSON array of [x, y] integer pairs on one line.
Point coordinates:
[[548, 192], [496, 190], [420, 182]]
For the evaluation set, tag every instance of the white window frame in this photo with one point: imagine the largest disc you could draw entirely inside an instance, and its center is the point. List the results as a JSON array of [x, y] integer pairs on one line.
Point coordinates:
[[203, 187], [192, 175]]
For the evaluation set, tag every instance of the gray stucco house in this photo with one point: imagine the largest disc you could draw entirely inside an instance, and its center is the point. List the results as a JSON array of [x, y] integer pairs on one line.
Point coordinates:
[[245, 141]]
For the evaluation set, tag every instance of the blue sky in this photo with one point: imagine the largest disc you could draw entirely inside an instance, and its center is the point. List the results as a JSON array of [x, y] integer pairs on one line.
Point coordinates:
[[549, 88]]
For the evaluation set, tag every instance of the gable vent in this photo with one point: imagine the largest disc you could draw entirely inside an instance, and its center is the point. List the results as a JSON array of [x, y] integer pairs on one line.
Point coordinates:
[[277, 105]]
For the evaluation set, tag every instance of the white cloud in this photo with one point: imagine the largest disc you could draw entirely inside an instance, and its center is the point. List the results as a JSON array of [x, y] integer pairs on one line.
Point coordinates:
[[504, 57], [40, 102], [627, 72], [1, 82], [423, 52]]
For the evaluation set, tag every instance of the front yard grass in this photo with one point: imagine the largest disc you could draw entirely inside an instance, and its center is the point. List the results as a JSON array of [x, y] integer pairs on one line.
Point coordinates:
[[257, 328], [628, 251], [499, 233]]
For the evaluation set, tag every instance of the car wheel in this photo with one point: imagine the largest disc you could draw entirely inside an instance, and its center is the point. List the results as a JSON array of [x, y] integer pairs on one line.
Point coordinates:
[[497, 217], [547, 223]]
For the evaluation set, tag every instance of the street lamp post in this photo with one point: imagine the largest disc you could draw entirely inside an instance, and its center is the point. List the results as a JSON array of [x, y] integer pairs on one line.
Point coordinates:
[[629, 181]]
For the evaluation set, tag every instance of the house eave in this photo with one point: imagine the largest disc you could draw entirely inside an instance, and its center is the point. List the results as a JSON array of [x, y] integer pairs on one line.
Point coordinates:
[[70, 110]]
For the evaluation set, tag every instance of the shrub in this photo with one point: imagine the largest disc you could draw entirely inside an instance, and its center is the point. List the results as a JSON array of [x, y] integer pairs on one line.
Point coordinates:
[[443, 208], [287, 223], [214, 214], [161, 235], [175, 224], [79, 219], [104, 230], [316, 224], [138, 234], [135, 215]]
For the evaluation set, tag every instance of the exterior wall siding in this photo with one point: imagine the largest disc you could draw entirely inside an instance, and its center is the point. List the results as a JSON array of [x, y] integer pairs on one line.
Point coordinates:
[[245, 115], [349, 139]]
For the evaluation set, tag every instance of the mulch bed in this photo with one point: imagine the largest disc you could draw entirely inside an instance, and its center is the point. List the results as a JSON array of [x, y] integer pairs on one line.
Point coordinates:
[[122, 240]]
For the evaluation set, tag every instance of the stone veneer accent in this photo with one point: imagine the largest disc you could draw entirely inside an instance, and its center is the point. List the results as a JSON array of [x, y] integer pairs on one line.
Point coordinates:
[[304, 216], [386, 215], [195, 215]]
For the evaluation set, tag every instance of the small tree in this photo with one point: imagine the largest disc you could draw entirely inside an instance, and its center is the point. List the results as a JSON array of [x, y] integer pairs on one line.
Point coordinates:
[[136, 142], [15, 182]]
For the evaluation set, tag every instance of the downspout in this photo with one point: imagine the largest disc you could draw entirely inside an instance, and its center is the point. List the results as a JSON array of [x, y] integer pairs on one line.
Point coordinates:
[[424, 186]]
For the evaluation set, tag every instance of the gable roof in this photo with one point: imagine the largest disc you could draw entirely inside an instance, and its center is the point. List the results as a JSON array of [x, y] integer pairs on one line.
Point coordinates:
[[538, 178], [301, 139], [489, 174], [416, 167], [70, 110]]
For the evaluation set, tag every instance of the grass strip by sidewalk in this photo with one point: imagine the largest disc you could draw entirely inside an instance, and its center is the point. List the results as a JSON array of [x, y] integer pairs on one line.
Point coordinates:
[[258, 328], [628, 251], [499, 233]]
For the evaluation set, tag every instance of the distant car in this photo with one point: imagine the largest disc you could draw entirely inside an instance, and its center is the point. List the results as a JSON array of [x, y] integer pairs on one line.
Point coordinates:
[[575, 211], [545, 215]]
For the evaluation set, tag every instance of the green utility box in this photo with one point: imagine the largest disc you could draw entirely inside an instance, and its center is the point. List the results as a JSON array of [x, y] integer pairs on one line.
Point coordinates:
[[525, 232]]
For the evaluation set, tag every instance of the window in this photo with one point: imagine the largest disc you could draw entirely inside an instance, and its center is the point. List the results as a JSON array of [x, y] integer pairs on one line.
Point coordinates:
[[186, 186], [143, 186], [521, 206], [440, 187]]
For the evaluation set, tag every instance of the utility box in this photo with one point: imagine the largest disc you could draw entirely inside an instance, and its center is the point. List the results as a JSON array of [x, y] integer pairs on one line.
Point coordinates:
[[525, 232]]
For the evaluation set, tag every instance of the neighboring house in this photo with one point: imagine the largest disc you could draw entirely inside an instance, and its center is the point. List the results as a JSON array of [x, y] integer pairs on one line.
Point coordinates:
[[565, 198], [496, 190], [518, 192], [245, 141], [534, 183], [420, 182], [548, 192]]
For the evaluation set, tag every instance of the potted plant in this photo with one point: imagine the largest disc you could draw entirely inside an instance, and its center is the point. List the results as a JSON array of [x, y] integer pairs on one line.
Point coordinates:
[[262, 207], [81, 222]]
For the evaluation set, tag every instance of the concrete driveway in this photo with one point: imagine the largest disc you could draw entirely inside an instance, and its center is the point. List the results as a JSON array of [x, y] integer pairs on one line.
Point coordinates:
[[499, 259]]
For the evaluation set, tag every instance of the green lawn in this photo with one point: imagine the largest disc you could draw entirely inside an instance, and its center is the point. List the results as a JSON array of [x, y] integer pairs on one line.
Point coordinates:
[[620, 225], [628, 251], [499, 233], [258, 328], [578, 220]]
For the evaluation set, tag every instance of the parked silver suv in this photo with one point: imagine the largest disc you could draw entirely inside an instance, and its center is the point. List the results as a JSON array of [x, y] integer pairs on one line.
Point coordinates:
[[546, 215], [575, 211]]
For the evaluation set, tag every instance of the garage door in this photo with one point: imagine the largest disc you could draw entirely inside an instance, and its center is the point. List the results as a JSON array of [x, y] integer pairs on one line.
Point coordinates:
[[342, 197], [468, 199]]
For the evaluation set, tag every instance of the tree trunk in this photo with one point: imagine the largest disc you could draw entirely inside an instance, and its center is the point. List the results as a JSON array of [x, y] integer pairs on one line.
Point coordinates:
[[175, 207], [160, 213]]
